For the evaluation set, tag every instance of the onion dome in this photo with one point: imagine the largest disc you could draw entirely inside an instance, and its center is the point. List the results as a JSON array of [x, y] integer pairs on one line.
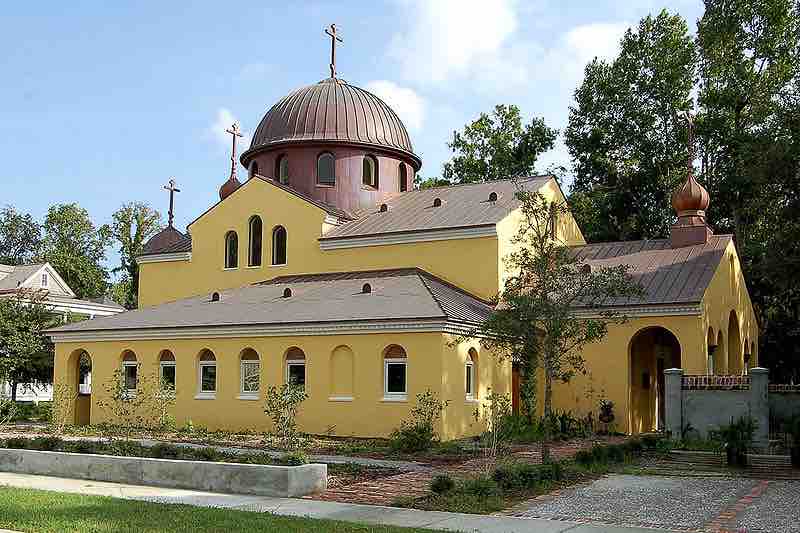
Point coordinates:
[[332, 111], [229, 187], [167, 240], [690, 197]]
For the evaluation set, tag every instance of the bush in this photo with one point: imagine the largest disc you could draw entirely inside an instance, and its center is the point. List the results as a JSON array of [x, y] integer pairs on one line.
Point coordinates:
[[418, 433], [482, 487], [84, 446], [296, 458], [282, 405], [206, 454], [442, 483], [46, 443], [651, 442], [517, 476], [164, 450], [17, 443], [584, 457], [738, 437]]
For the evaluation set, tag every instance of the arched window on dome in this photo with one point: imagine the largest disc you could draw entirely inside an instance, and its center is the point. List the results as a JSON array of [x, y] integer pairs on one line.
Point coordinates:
[[253, 169], [369, 172], [326, 169], [231, 250], [279, 245], [402, 175], [282, 169], [256, 237]]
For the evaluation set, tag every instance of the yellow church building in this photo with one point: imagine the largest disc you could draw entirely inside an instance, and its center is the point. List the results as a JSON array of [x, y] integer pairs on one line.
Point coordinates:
[[326, 267]]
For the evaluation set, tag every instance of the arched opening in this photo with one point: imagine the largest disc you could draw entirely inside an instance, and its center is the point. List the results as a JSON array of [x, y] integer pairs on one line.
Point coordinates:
[[402, 176], [652, 350], [253, 169], [282, 169], [256, 237], [437, 202], [77, 396], [369, 171], [206, 375], [471, 374], [279, 245], [296, 367], [720, 356], [130, 371], [249, 373], [326, 169], [166, 370], [735, 356], [231, 250], [711, 347], [395, 383], [342, 374]]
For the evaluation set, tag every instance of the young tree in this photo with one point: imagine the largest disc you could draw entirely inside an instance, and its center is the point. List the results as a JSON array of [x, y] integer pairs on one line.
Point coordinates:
[[26, 354], [76, 249], [538, 322], [627, 142], [20, 237], [133, 224], [497, 146]]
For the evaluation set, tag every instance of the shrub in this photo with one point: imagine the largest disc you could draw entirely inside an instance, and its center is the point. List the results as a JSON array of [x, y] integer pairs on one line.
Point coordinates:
[[84, 446], [418, 434], [615, 453], [482, 487], [163, 450], [412, 439], [634, 446], [296, 458], [651, 442], [46, 443], [206, 454], [282, 405], [518, 476], [584, 457], [17, 443], [442, 483]]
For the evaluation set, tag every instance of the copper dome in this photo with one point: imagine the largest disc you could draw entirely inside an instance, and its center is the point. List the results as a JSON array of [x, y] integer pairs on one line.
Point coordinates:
[[332, 111], [691, 196]]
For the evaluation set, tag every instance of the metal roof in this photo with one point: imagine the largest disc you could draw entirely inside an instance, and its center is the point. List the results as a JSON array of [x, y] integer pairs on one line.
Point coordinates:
[[332, 111], [402, 294], [668, 275], [461, 206], [18, 275], [168, 240]]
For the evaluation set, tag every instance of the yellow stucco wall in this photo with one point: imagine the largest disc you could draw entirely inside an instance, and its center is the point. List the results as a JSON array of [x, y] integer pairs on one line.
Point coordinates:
[[432, 364]]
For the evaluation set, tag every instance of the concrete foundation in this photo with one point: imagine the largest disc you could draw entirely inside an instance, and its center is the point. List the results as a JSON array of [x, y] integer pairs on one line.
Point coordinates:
[[262, 480]]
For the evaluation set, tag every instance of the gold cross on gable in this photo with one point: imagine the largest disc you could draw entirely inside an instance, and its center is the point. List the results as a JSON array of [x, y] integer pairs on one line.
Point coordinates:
[[172, 190], [235, 132], [334, 37]]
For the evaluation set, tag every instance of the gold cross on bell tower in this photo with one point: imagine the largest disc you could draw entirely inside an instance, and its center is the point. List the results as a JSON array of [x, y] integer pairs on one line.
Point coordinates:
[[334, 37]]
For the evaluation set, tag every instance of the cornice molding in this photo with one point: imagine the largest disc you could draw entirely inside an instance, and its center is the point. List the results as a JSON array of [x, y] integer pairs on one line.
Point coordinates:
[[646, 310], [163, 258], [336, 243]]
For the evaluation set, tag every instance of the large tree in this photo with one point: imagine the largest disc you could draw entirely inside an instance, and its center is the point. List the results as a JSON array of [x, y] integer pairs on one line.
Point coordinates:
[[538, 322], [497, 146], [133, 224], [626, 139], [20, 237], [76, 248]]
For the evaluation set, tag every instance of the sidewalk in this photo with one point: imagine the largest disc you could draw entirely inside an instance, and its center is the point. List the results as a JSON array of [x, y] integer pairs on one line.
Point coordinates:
[[348, 512]]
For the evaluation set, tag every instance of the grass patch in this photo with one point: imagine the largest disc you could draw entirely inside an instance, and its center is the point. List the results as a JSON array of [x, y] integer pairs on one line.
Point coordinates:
[[51, 512]]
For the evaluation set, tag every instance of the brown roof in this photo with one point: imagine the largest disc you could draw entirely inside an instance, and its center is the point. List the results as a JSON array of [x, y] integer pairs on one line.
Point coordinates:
[[461, 206], [167, 241], [332, 111], [402, 294], [668, 275]]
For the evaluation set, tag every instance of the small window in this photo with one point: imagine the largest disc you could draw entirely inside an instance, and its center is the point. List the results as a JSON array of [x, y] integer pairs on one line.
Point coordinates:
[[130, 371], [279, 245], [250, 370], [394, 373], [402, 175], [231, 250], [437, 202], [296, 367], [366, 288], [492, 196], [384, 208], [253, 169], [469, 374], [256, 236], [214, 296], [282, 170], [369, 172], [208, 374], [287, 293], [167, 371], [45, 279], [326, 169]]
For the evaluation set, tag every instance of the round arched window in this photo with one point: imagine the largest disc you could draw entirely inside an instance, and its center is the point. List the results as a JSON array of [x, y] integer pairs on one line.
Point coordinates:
[[326, 169]]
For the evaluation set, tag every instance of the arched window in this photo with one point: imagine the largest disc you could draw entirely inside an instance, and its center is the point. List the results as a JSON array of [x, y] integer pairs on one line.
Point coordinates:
[[326, 169], [369, 171], [231, 250], [470, 384], [279, 245], [207, 376], [402, 175], [166, 366], [256, 236], [437, 202], [253, 169], [282, 169], [394, 373], [296, 367], [130, 371], [249, 374]]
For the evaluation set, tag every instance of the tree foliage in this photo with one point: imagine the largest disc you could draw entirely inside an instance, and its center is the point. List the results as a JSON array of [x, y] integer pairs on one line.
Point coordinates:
[[20, 237], [538, 322], [497, 146], [624, 135], [132, 225]]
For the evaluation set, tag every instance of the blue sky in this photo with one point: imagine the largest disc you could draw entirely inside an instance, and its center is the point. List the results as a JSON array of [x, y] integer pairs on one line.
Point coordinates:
[[102, 102]]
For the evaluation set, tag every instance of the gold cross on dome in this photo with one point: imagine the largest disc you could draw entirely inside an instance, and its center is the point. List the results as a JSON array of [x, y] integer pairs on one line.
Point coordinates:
[[334, 37], [172, 190]]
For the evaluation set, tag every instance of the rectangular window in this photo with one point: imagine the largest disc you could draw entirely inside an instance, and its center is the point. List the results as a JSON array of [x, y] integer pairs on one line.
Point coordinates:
[[168, 376], [45, 280], [130, 371], [469, 378], [208, 377], [395, 378], [296, 374], [250, 377]]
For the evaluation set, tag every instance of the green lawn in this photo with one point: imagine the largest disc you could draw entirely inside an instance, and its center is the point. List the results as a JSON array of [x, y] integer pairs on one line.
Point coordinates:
[[43, 511]]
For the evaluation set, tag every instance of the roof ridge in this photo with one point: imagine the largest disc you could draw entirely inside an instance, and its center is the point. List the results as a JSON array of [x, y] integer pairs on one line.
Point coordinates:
[[477, 183], [313, 276], [424, 281]]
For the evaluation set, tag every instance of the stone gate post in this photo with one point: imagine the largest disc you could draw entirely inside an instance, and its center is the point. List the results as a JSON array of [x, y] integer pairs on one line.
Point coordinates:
[[673, 401], [759, 405]]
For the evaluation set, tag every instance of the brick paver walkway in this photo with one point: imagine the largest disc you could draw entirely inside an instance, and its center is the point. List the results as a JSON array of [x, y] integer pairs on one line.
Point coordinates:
[[385, 491]]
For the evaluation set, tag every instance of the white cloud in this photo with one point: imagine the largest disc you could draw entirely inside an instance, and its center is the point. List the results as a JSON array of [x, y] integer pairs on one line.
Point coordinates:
[[583, 43], [408, 105], [216, 131]]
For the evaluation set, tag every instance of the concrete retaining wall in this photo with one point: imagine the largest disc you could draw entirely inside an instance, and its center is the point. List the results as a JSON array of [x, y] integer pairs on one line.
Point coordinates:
[[784, 405], [708, 410], [262, 480]]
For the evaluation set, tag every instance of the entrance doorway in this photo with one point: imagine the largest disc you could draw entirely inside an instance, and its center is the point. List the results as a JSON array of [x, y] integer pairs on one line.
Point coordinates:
[[652, 350]]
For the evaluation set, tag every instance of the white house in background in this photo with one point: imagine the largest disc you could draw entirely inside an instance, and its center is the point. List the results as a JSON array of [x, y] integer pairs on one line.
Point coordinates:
[[57, 296]]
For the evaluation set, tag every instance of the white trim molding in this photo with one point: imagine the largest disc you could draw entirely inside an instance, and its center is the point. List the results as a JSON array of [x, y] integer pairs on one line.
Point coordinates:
[[163, 258], [637, 311], [340, 398], [336, 243]]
